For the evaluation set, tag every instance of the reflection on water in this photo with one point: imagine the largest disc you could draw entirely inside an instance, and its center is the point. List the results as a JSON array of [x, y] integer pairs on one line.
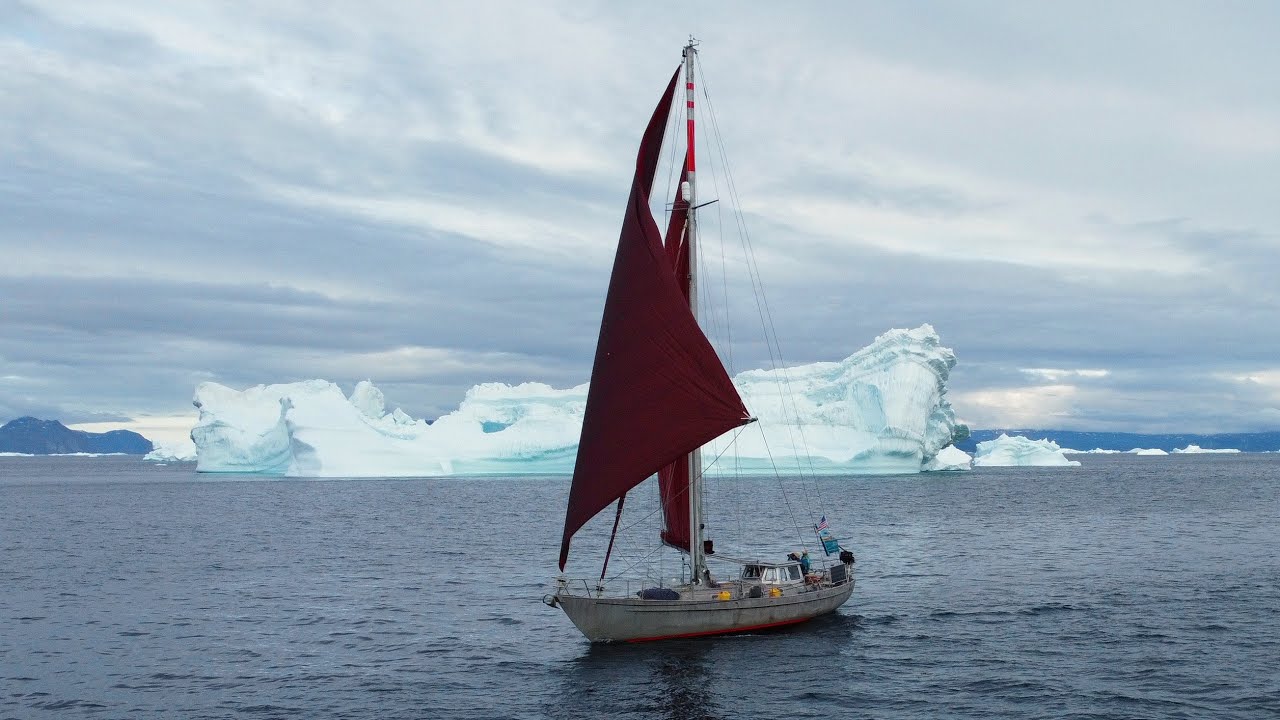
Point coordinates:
[[696, 679], [682, 673], [665, 680]]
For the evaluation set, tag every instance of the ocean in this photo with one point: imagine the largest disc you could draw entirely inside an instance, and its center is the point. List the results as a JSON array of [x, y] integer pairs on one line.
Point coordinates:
[[1131, 587]]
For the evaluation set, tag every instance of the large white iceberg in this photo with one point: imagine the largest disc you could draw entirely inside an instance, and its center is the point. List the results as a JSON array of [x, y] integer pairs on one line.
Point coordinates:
[[1018, 451], [1147, 451], [881, 410]]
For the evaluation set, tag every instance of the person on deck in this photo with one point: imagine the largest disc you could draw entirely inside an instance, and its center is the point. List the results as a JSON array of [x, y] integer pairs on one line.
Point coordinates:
[[804, 562]]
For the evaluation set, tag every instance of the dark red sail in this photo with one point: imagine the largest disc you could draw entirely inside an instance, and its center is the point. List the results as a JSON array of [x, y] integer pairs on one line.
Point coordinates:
[[673, 486], [677, 251], [673, 480], [658, 390]]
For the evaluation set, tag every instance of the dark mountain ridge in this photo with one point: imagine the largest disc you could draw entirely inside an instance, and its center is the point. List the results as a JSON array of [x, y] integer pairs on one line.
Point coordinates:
[[49, 437]]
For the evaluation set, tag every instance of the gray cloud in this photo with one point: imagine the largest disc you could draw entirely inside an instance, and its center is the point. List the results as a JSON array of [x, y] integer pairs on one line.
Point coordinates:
[[403, 194]]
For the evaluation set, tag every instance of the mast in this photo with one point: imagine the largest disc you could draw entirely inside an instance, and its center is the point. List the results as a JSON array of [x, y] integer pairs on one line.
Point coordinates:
[[697, 559], [637, 421]]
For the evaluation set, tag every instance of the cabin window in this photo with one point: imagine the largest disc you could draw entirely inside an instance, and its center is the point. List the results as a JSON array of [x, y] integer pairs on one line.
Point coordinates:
[[751, 572], [770, 576], [794, 572]]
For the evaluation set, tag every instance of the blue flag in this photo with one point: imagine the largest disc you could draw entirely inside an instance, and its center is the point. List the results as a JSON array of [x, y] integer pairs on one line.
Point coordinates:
[[830, 545]]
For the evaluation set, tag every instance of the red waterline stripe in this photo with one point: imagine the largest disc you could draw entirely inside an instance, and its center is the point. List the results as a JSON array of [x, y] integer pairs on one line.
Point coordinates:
[[703, 633]]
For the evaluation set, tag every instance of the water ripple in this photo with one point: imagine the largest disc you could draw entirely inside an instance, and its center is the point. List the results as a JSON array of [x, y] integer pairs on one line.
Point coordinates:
[[1110, 592]]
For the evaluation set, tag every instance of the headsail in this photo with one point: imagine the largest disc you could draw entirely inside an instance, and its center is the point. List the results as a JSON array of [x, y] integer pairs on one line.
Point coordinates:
[[658, 390]]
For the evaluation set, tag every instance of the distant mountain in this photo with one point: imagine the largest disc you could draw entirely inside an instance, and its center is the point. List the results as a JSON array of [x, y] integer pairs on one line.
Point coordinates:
[[1075, 440], [50, 437]]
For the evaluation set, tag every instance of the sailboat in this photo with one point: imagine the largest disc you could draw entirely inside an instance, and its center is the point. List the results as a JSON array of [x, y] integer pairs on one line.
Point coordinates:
[[658, 393]]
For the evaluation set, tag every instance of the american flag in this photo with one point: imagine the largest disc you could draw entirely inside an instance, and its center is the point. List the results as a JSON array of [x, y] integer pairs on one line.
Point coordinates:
[[822, 524]]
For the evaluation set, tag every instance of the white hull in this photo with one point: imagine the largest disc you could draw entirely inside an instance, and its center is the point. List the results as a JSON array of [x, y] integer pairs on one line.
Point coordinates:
[[630, 619]]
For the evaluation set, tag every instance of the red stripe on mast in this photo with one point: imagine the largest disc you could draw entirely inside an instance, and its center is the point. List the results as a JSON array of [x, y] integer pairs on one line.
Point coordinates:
[[692, 168], [688, 86], [691, 165]]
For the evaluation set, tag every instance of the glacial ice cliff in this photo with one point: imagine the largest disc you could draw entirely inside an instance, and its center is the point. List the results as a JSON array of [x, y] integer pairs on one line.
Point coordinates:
[[881, 410], [1018, 451]]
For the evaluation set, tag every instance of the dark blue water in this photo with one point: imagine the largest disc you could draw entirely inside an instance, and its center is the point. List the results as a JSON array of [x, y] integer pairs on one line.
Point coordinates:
[[1128, 588]]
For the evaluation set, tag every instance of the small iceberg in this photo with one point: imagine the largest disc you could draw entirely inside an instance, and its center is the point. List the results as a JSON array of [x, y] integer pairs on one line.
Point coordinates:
[[1147, 451], [949, 459], [1018, 451], [1197, 450], [182, 451]]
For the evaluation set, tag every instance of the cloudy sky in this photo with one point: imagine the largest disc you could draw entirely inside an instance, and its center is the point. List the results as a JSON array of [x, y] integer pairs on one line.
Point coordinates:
[[1082, 198]]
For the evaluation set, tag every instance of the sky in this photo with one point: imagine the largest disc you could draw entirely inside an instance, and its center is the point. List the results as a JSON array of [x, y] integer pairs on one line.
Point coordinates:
[[1082, 198]]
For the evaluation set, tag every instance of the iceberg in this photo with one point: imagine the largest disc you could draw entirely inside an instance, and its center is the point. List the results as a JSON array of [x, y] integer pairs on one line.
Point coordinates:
[[1147, 451], [1018, 451], [183, 451], [1197, 450], [881, 410], [951, 458]]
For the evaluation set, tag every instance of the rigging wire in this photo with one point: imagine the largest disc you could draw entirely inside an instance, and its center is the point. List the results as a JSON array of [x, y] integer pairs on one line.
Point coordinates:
[[766, 316], [671, 163], [710, 164], [757, 287], [715, 311], [737, 431], [711, 322]]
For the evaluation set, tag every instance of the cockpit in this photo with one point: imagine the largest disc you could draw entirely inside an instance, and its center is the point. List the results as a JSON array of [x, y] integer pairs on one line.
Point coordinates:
[[771, 574]]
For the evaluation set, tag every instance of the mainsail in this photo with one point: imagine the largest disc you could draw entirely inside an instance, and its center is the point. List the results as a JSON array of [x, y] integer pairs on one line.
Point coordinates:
[[658, 390], [673, 480]]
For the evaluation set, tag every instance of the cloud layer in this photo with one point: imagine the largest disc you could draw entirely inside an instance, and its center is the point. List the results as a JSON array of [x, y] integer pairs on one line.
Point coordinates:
[[1080, 199]]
